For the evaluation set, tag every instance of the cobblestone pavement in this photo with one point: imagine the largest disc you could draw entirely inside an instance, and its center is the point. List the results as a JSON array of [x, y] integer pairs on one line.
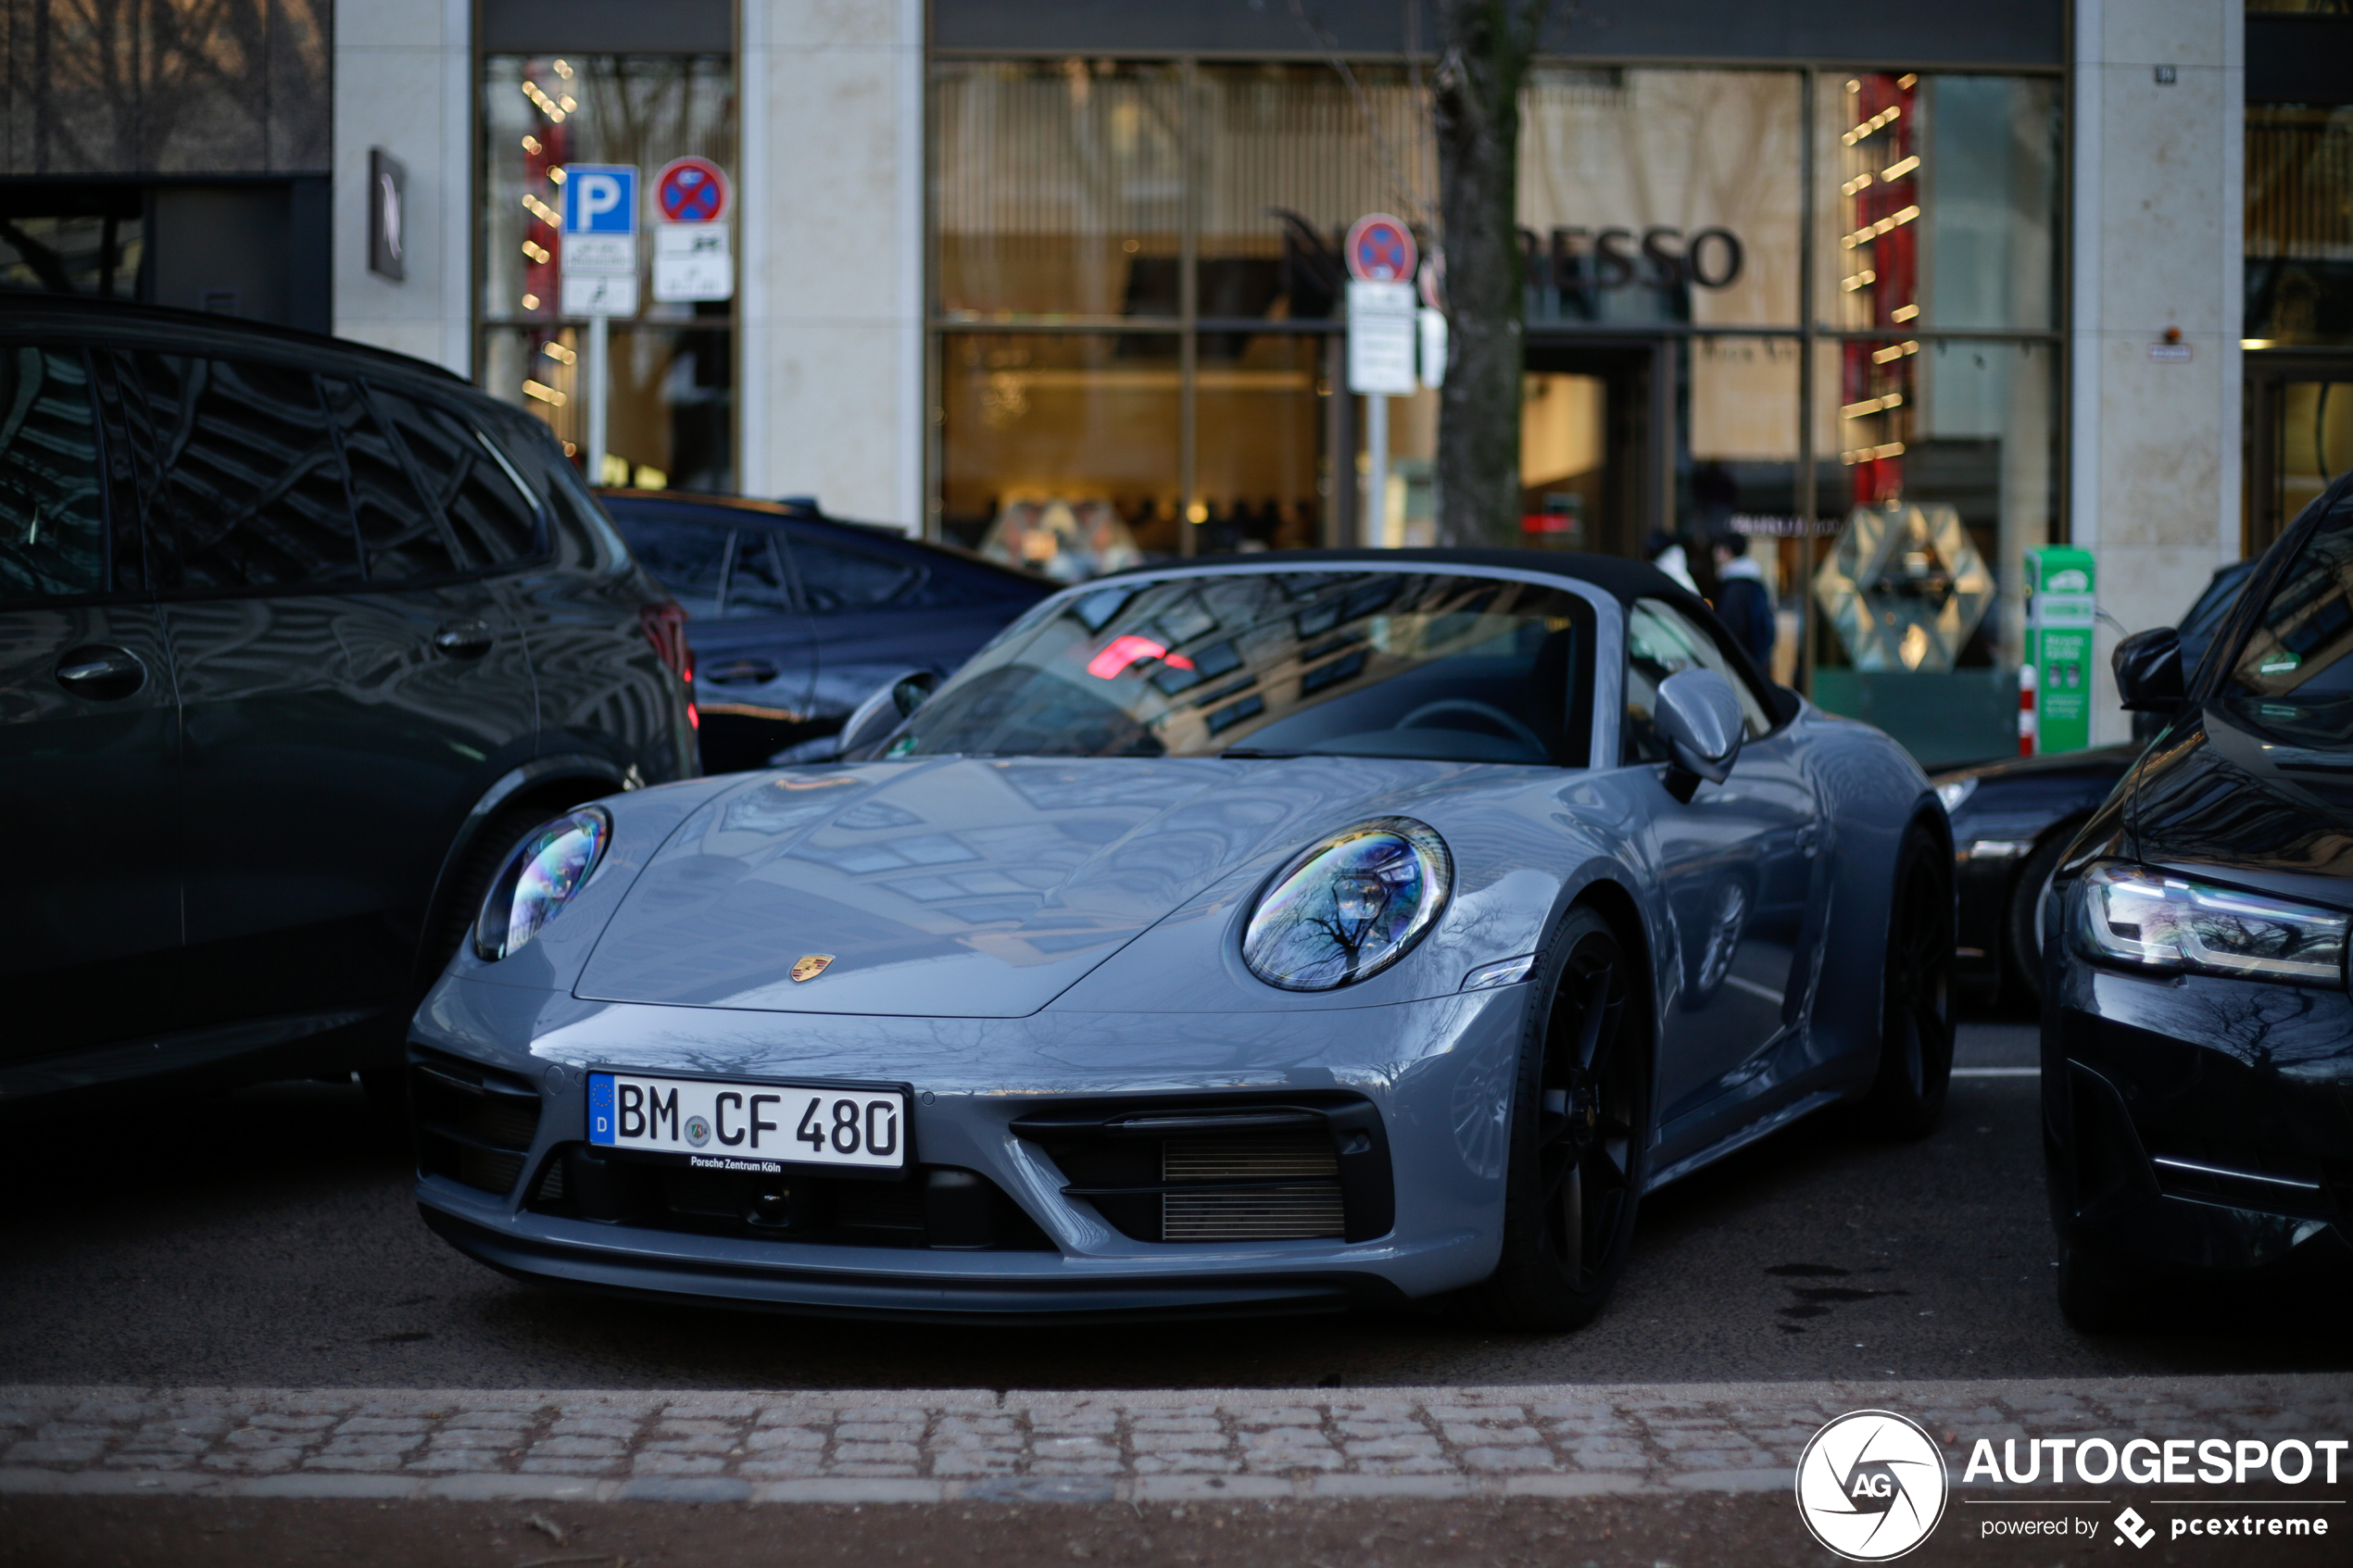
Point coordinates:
[[1560, 1440]]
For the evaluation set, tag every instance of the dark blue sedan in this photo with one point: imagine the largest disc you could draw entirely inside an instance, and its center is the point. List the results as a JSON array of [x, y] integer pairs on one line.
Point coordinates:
[[795, 618]]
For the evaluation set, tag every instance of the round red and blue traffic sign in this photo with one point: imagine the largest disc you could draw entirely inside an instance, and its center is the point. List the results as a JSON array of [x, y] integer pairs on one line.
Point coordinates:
[[1379, 250], [691, 190]]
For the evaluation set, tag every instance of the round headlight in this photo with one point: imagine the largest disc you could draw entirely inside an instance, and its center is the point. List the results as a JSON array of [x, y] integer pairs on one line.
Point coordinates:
[[1349, 906], [541, 878]]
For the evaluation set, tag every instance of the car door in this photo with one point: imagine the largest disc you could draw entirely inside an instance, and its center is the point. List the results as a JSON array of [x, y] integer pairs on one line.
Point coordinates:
[[349, 689], [754, 660], [874, 619], [1736, 861], [89, 731]]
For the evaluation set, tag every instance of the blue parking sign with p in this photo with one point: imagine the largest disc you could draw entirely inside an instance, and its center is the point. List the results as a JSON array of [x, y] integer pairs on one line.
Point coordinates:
[[600, 198]]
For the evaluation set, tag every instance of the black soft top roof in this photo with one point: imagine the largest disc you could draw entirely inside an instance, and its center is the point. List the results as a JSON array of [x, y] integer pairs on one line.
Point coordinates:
[[1623, 580]]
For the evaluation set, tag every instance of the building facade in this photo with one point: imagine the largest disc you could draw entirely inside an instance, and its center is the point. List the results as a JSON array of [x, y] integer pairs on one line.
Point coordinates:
[[1064, 282]]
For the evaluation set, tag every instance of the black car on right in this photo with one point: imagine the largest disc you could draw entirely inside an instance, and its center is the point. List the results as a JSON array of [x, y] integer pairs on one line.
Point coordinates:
[[2012, 820], [2197, 1034]]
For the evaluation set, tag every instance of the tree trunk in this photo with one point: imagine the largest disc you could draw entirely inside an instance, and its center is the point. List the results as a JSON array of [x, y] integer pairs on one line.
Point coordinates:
[[1485, 47]]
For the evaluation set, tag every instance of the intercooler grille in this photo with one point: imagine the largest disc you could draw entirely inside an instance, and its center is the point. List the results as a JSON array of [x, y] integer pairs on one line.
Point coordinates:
[[1312, 1165], [1311, 1210], [473, 1125]]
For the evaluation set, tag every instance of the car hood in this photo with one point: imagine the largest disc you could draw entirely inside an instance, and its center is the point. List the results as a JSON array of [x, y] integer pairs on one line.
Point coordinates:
[[2240, 806], [945, 888]]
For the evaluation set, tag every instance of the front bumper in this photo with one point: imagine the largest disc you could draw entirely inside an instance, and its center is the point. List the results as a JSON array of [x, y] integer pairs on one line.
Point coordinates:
[[1435, 1074], [2201, 1128]]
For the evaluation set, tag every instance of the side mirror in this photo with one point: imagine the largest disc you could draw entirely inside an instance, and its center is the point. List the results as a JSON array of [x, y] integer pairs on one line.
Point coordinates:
[[1699, 717], [883, 710], [2148, 670]]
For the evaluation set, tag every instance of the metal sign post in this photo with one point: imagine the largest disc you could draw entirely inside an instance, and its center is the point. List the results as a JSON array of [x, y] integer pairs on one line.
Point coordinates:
[[1382, 329], [600, 278]]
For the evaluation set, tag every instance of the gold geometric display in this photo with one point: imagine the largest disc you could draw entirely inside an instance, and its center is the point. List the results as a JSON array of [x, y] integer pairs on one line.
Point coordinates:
[[1904, 586]]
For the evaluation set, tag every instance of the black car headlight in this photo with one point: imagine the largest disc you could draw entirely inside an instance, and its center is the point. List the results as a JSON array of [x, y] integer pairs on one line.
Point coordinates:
[[543, 875], [1349, 905], [2152, 920]]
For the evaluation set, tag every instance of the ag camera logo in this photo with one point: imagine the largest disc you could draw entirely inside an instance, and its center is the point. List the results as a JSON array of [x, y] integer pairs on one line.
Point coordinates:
[[1870, 1486]]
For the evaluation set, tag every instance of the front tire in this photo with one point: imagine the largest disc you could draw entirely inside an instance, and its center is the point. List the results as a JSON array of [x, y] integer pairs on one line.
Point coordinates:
[[2026, 911], [1580, 1124], [1915, 1017]]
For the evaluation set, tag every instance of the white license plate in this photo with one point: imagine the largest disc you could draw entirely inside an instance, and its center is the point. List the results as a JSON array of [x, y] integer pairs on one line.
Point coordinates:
[[748, 1126]]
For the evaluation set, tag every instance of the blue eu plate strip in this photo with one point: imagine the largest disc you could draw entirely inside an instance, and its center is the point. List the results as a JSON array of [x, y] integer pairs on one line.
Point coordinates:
[[600, 1107]]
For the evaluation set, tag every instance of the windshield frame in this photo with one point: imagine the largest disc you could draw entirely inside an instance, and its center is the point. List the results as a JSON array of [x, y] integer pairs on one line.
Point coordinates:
[[1597, 611]]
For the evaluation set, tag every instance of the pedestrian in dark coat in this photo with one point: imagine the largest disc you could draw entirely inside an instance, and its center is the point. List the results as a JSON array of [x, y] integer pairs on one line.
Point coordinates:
[[1742, 604]]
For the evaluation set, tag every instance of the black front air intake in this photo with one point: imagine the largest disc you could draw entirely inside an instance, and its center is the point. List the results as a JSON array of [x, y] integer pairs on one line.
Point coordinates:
[[473, 1125], [940, 1206], [1224, 1169]]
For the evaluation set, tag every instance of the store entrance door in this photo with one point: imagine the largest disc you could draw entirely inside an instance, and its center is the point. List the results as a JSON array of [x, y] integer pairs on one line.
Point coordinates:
[[1596, 442], [2299, 437]]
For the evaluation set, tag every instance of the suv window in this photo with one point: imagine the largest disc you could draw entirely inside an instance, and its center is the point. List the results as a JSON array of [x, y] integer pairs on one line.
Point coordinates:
[[579, 533], [494, 515], [400, 537], [834, 577], [1663, 641], [251, 473], [687, 558], [53, 527]]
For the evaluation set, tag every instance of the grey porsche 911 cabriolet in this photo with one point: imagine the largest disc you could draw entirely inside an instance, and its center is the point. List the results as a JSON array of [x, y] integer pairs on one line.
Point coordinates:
[[1262, 936]]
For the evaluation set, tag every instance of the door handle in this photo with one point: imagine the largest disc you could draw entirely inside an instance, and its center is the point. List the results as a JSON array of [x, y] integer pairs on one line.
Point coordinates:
[[101, 671], [1809, 839], [464, 639], [741, 672]]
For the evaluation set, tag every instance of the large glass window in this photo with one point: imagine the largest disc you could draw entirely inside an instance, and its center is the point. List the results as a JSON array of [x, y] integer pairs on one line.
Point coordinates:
[[1059, 451], [2300, 226], [1938, 214], [1138, 328], [1661, 197], [671, 372], [1059, 189], [1201, 208]]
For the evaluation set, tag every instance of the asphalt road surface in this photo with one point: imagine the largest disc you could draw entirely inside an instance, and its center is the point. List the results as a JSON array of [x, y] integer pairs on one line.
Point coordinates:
[[269, 1239]]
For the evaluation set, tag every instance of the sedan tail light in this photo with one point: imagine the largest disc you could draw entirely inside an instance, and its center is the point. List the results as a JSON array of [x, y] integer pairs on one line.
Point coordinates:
[[665, 628]]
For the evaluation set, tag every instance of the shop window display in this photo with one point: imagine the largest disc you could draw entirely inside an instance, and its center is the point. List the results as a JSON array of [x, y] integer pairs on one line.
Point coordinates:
[[670, 368]]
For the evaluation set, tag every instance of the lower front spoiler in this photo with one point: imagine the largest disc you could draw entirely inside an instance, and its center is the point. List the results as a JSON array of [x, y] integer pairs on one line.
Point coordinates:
[[813, 1293]]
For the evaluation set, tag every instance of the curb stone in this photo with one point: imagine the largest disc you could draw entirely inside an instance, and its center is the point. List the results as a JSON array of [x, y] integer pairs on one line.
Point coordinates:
[[1041, 1446]]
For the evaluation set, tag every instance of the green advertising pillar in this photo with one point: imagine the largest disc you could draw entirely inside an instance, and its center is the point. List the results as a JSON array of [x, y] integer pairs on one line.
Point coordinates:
[[2056, 683]]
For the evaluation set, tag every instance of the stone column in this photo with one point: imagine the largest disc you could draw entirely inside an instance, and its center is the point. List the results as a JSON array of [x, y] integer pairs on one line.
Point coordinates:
[[403, 74], [831, 203], [2160, 176]]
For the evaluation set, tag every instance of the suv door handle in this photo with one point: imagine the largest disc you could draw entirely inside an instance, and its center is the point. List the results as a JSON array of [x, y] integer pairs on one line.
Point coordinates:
[[741, 672], [464, 639], [101, 671], [1809, 839]]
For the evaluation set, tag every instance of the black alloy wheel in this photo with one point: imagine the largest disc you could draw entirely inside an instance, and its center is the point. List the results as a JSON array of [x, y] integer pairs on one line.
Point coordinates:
[[1578, 1117], [2025, 956], [1915, 1021]]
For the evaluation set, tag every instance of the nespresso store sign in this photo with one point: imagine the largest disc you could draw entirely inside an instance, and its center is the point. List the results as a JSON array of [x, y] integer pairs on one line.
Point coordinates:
[[1577, 260]]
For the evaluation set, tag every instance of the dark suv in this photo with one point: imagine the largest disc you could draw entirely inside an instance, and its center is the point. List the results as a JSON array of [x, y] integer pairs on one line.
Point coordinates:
[[297, 637]]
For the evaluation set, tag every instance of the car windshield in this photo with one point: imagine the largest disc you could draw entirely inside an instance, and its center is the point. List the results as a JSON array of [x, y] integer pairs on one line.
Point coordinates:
[[1278, 663], [2293, 678]]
